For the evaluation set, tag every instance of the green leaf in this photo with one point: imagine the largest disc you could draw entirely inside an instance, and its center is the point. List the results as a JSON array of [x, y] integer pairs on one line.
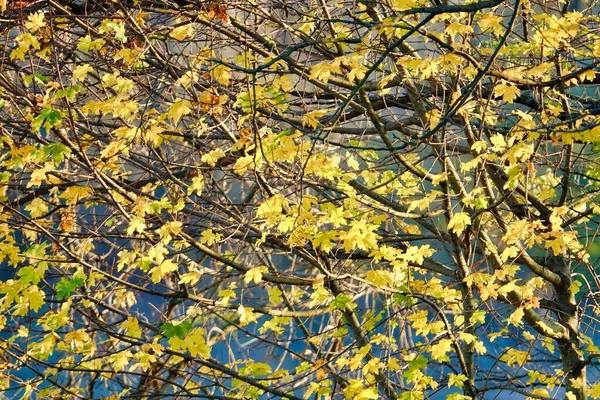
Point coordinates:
[[180, 330], [48, 118], [31, 274], [340, 302], [65, 287], [57, 151]]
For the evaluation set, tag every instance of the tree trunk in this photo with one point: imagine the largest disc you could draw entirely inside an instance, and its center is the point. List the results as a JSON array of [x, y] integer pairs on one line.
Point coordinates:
[[574, 369], [570, 350]]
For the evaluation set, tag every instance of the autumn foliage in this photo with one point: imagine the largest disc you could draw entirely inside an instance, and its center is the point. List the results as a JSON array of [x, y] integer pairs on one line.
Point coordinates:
[[378, 199]]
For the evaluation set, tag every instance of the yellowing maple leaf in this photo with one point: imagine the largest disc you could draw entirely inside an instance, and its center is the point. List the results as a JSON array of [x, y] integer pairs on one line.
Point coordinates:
[[594, 391], [380, 278], [77, 339], [403, 5], [222, 74], [169, 229], [196, 186], [178, 110], [34, 296], [588, 75], [539, 70], [440, 349], [158, 272], [492, 22], [182, 32], [136, 224], [255, 274], [508, 92], [275, 295], [272, 207], [284, 83], [246, 315], [312, 118], [322, 71], [209, 238], [212, 157], [360, 236], [73, 194], [242, 164], [39, 175], [459, 222], [456, 27], [516, 318], [132, 327], [37, 207], [35, 21], [87, 44], [456, 380], [366, 394], [115, 148], [120, 360], [191, 277]]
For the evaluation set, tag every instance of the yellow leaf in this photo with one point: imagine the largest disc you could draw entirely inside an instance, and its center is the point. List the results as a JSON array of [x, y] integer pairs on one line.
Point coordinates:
[[498, 142], [158, 272], [456, 27], [514, 356], [440, 349], [137, 224], [222, 74], [492, 22], [77, 339], [34, 21], [255, 274], [479, 146], [187, 79], [34, 296], [191, 277], [209, 238], [120, 360], [365, 394], [169, 229], [3, 5], [86, 43], [322, 71], [275, 295], [242, 164], [403, 5], [312, 118], [182, 32], [196, 186], [178, 110], [37, 207], [212, 157], [39, 175], [284, 83], [539, 70], [516, 318], [272, 207], [459, 222], [132, 327], [456, 380], [115, 148], [434, 117], [246, 315], [380, 278], [73, 194], [508, 92], [594, 391], [588, 75]]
